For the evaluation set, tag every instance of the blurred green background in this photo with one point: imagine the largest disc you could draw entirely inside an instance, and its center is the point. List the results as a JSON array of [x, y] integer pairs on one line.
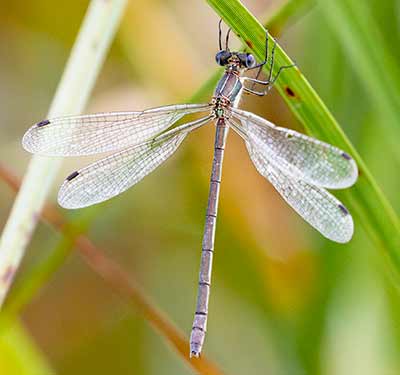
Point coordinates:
[[284, 299]]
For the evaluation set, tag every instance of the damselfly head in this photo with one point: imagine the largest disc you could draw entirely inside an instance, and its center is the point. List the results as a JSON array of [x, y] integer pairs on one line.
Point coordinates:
[[235, 59]]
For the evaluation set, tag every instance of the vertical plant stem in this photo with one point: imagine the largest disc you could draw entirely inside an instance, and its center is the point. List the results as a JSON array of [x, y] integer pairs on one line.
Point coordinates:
[[87, 56]]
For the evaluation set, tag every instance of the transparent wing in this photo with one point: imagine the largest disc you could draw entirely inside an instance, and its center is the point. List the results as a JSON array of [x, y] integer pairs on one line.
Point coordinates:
[[102, 132], [113, 175], [314, 204], [297, 155]]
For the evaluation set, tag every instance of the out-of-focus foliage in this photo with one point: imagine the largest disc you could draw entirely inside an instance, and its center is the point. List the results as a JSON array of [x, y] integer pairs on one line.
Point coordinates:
[[284, 300]]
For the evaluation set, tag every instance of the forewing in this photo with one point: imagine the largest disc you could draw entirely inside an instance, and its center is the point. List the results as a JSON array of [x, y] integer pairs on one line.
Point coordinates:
[[298, 155], [314, 204], [102, 132], [113, 175]]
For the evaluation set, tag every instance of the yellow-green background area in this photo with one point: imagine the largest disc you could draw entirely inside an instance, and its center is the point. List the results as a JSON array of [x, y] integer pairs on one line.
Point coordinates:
[[284, 300]]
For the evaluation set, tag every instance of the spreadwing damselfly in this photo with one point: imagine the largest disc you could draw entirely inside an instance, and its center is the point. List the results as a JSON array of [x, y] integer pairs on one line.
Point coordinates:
[[299, 167]]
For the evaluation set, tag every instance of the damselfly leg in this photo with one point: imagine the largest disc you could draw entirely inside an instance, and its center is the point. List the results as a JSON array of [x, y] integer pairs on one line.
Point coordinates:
[[269, 82]]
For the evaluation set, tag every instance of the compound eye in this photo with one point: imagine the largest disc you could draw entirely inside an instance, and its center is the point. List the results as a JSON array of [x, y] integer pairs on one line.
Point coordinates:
[[222, 57], [250, 61]]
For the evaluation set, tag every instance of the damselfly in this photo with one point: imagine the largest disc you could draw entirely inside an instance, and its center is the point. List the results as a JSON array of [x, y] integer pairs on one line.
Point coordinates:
[[299, 167]]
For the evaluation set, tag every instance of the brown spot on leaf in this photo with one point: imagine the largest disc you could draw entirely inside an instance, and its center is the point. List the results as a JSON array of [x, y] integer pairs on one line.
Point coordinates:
[[290, 92], [7, 275], [249, 43]]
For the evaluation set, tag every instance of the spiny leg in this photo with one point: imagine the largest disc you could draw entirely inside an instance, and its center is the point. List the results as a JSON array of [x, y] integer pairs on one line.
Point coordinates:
[[258, 93], [271, 66], [271, 80], [260, 66], [269, 84], [280, 70]]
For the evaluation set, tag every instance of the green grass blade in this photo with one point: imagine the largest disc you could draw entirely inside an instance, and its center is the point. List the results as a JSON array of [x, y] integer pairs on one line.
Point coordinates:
[[365, 200], [290, 11], [371, 57]]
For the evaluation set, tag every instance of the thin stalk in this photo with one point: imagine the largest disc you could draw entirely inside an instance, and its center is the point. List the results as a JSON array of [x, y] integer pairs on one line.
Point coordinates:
[[87, 56], [115, 277]]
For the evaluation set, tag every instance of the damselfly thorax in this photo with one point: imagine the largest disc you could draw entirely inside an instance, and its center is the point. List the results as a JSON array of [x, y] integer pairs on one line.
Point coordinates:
[[300, 168], [229, 87]]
